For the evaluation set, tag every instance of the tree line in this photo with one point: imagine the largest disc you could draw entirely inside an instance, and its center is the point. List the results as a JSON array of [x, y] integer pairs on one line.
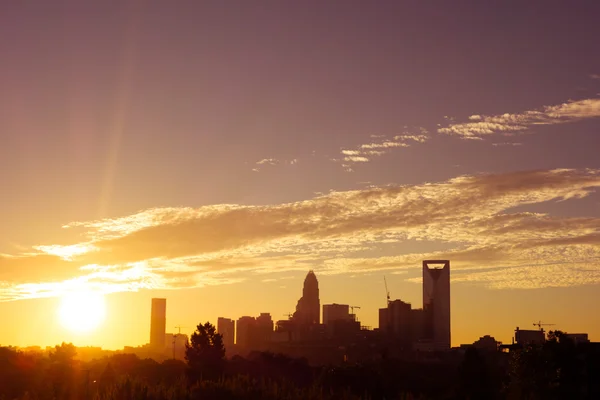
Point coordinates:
[[558, 369]]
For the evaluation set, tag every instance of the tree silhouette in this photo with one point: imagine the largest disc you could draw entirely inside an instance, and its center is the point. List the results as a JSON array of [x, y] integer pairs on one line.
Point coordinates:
[[473, 376], [62, 369], [205, 353], [63, 354]]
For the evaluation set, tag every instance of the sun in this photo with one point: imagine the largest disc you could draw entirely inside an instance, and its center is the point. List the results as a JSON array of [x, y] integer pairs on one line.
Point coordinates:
[[82, 311]]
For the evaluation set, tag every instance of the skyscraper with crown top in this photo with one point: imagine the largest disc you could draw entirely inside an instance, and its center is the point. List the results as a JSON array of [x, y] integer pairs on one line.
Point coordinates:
[[308, 309]]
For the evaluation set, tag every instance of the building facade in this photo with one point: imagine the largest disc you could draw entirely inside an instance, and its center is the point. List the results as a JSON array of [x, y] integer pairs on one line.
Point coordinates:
[[526, 337], [245, 328], [226, 327], [436, 302], [336, 312], [264, 331], [158, 323]]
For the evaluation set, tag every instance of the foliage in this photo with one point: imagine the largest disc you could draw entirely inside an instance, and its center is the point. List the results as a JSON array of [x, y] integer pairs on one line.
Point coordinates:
[[205, 353], [558, 369]]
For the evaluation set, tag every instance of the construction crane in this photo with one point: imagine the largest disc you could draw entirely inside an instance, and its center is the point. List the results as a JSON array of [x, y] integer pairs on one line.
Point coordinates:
[[178, 327], [539, 324], [387, 292]]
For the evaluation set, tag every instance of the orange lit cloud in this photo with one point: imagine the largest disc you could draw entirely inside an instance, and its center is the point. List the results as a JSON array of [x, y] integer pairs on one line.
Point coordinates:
[[273, 161], [365, 151], [483, 125], [174, 248]]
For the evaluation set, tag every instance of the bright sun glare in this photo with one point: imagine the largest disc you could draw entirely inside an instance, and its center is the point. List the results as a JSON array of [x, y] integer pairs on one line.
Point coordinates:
[[82, 311]]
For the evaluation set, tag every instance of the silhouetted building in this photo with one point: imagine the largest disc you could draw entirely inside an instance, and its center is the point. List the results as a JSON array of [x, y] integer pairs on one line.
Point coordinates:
[[485, 343], [175, 345], [400, 324], [245, 328], [336, 312], [158, 322], [384, 320], [436, 303], [578, 337], [264, 331], [254, 333], [226, 327], [527, 337], [308, 309], [418, 325], [284, 331]]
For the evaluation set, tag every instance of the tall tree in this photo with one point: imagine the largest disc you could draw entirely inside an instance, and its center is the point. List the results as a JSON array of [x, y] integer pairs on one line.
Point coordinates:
[[205, 353]]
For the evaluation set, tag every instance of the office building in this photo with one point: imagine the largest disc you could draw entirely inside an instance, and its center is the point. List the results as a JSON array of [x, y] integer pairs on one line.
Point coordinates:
[[245, 329], [578, 337], [436, 302], [486, 343], [400, 324], [384, 320], [176, 345], [526, 337], [226, 327], [308, 309], [158, 323], [336, 312], [264, 331]]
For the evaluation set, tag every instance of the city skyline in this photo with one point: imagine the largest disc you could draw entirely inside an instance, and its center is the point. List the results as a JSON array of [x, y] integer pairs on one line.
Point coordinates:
[[212, 155]]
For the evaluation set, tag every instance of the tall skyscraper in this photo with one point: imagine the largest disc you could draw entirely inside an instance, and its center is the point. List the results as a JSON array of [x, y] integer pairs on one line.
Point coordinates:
[[158, 323], [308, 309], [436, 302], [226, 327]]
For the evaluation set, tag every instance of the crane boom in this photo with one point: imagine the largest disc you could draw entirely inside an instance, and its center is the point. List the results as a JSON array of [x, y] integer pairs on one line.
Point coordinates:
[[539, 324], [387, 292]]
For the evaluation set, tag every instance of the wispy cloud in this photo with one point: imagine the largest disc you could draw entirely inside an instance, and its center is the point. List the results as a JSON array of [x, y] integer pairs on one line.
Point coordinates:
[[268, 161], [595, 76], [356, 159], [500, 144], [364, 152], [273, 161], [383, 145], [484, 125], [189, 247]]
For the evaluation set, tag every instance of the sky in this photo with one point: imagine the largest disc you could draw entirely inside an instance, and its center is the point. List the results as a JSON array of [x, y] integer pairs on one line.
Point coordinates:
[[213, 152]]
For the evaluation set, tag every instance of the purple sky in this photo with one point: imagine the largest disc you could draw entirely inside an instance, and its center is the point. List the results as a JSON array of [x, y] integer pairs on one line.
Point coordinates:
[[111, 108]]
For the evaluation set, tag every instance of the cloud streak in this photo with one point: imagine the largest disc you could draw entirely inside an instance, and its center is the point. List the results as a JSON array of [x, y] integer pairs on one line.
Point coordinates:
[[366, 151], [271, 162], [171, 248], [485, 125]]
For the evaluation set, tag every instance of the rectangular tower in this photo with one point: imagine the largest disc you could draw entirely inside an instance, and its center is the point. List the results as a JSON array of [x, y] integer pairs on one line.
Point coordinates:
[[336, 312], [158, 323], [226, 327], [436, 302]]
